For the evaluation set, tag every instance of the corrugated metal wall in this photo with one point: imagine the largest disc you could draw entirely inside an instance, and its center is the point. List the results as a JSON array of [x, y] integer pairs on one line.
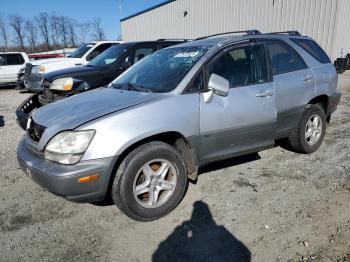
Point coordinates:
[[324, 20], [342, 29]]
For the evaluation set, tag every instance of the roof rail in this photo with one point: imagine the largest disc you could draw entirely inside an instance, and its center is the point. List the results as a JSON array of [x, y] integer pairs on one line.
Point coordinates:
[[248, 32], [296, 33], [173, 39]]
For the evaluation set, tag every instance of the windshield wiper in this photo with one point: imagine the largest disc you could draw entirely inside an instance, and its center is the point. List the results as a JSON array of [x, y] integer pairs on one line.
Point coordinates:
[[116, 86], [140, 88]]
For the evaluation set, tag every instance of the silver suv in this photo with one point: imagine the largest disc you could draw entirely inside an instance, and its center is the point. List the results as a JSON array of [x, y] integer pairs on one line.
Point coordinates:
[[141, 139]]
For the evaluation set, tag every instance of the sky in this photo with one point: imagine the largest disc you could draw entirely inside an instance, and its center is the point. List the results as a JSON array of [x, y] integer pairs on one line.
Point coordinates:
[[110, 11]]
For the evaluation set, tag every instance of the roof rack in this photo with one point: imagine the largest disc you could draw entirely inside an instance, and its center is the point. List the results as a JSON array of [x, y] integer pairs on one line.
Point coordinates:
[[248, 32], [296, 33], [173, 39]]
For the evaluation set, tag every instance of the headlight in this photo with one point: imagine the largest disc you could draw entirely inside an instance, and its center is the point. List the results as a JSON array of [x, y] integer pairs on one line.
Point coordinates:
[[38, 70], [41, 70], [63, 84], [68, 147]]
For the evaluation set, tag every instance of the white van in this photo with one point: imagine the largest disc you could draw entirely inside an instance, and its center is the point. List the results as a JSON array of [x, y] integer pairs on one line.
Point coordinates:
[[10, 64]]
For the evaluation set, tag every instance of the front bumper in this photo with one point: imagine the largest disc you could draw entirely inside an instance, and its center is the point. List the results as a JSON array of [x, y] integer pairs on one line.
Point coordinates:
[[62, 180], [32, 82], [334, 101], [33, 86], [26, 108]]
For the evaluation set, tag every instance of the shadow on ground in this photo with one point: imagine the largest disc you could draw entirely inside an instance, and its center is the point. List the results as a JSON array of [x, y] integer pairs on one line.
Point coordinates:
[[205, 169], [2, 121], [229, 163], [201, 239]]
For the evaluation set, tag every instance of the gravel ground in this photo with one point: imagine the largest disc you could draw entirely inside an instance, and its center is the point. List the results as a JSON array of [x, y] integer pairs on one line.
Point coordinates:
[[275, 206]]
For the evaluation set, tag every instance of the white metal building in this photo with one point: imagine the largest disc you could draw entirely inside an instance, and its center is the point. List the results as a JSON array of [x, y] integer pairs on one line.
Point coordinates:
[[327, 21]]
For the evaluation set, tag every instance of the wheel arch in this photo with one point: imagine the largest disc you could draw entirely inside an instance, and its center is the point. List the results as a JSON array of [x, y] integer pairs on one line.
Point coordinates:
[[173, 138], [323, 101]]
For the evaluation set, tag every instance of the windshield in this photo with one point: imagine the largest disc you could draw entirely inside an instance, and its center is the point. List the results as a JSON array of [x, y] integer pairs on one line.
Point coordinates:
[[162, 71], [78, 53], [109, 56]]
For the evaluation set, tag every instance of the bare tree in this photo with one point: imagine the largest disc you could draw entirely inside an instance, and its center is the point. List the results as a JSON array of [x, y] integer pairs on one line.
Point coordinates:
[[97, 31], [83, 31], [17, 24], [63, 30], [54, 26], [4, 32], [43, 22], [31, 34], [72, 35]]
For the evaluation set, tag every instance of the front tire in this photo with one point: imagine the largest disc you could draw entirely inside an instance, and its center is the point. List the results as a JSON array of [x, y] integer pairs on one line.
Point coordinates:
[[150, 182], [308, 136]]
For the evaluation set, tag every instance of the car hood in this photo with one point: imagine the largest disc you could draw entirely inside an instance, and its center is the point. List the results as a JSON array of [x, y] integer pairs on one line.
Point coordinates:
[[54, 60], [73, 72], [71, 112], [59, 63]]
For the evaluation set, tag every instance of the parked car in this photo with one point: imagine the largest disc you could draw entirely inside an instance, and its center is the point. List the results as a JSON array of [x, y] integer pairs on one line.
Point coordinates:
[[10, 64], [143, 137], [99, 72], [34, 71]]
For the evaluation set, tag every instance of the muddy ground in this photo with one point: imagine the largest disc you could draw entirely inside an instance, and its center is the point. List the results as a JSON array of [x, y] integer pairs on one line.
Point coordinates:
[[274, 206]]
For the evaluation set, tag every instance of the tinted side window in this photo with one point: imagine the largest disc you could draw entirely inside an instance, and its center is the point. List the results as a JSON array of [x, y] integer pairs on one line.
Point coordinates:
[[14, 59], [313, 49], [241, 66], [2, 60], [284, 59], [142, 52], [98, 50]]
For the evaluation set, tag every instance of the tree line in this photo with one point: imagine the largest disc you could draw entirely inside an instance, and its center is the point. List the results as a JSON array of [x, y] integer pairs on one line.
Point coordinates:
[[46, 32]]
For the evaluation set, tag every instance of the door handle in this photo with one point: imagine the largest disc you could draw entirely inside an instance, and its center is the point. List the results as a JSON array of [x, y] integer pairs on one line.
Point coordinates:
[[307, 78], [264, 94], [79, 64]]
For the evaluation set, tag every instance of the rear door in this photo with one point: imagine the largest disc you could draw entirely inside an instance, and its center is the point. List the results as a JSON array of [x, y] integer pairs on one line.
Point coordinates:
[[14, 62], [244, 121], [324, 71], [294, 83]]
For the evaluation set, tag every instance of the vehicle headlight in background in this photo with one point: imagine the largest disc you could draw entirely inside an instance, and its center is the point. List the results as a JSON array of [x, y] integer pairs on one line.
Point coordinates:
[[68, 147], [63, 84], [38, 70], [41, 70]]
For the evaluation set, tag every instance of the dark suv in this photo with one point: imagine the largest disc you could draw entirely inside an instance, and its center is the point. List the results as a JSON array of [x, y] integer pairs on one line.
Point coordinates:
[[99, 72]]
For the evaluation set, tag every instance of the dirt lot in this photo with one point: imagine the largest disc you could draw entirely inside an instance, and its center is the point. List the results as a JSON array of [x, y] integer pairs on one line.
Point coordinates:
[[275, 206]]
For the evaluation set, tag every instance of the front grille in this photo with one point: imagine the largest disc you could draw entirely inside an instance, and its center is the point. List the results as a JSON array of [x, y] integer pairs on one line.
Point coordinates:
[[35, 131], [28, 68], [46, 84]]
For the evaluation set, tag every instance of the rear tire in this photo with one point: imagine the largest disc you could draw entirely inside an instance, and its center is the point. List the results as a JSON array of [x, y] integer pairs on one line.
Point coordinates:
[[150, 182], [308, 136]]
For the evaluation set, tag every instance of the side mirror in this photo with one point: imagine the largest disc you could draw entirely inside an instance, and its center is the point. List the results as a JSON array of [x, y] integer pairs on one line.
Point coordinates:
[[216, 85]]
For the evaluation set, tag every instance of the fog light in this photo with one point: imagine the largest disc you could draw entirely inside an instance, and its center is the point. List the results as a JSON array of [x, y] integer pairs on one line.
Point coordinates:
[[87, 179]]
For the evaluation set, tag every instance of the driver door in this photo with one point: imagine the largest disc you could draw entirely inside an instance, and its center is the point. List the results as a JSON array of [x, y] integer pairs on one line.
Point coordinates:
[[244, 121]]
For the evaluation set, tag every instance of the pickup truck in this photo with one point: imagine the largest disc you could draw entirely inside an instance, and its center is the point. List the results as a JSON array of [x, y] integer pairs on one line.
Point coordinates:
[[10, 65]]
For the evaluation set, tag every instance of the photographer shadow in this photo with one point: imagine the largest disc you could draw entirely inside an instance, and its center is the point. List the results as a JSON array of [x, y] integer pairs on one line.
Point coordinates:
[[201, 239], [2, 121]]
